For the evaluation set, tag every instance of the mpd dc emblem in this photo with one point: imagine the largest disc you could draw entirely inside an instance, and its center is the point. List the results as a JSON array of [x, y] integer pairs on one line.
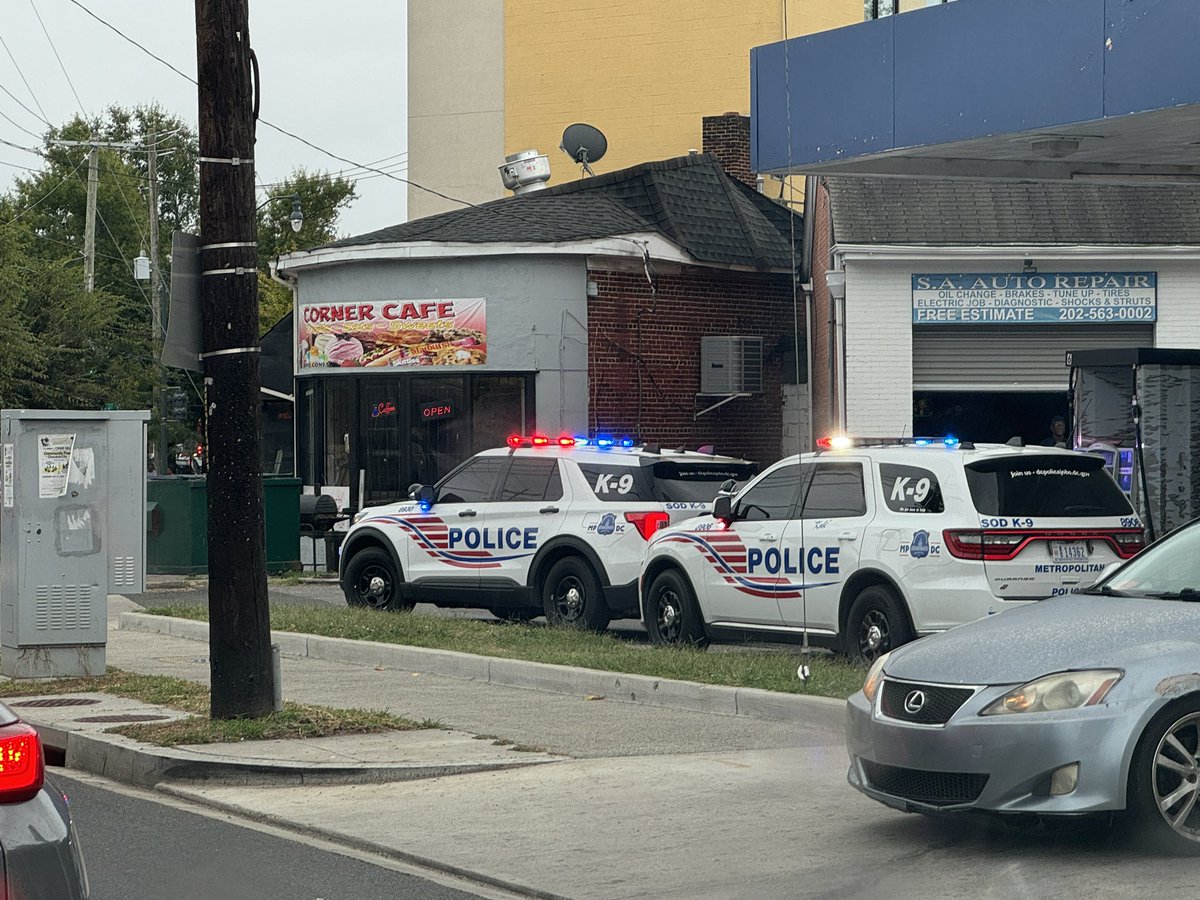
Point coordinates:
[[608, 524], [919, 548]]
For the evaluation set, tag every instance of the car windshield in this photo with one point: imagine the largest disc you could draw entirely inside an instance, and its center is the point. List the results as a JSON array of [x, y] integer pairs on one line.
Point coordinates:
[[1058, 485], [1169, 569], [696, 482]]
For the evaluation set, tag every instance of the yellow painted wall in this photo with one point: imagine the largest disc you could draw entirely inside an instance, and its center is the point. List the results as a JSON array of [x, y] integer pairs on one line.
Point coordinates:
[[645, 72]]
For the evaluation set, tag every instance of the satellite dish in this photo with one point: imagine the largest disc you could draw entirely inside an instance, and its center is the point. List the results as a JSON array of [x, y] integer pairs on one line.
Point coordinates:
[[585, 144]]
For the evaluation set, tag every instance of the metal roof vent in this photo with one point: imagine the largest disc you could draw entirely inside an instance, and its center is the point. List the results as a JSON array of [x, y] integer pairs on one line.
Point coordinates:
[[525, 171]]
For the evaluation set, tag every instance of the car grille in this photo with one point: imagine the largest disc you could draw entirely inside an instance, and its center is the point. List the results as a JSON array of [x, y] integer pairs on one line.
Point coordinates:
[[939, 704], [934, 788]]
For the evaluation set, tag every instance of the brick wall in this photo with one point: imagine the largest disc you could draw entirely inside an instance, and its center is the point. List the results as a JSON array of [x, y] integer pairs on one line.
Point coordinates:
[[727, 137], [644, 357]]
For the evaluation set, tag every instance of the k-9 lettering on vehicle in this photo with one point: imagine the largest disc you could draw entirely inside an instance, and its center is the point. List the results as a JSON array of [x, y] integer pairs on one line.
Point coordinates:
[[545, 526], [866, 544]]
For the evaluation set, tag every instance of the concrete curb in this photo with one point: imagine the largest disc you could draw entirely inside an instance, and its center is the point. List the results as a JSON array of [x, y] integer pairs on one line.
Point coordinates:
[[147, 765], [686, 695]]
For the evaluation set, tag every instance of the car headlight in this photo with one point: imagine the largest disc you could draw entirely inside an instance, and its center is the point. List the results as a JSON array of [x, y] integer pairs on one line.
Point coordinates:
[[875, 677], [1065, 690]]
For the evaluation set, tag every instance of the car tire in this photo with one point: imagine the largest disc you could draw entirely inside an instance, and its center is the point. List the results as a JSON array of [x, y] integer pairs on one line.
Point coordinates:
[[372, 580], [877, 624], [571, 596], [672, 616], [1164, 797]]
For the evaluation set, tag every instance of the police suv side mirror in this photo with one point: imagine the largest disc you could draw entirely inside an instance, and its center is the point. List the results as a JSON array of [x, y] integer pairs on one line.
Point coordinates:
[[413, 490], [728, 486], [426, 494], [723, 508]]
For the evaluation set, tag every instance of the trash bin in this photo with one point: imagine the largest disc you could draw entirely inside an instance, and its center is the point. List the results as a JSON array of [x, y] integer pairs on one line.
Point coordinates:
[[179, 546]]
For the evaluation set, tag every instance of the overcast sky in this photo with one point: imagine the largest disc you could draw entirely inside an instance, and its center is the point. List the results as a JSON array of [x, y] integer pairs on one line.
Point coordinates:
[[333, 72]]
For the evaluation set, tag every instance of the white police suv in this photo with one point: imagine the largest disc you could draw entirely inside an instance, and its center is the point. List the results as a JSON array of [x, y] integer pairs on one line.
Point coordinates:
[[554, 526], [864, 545]]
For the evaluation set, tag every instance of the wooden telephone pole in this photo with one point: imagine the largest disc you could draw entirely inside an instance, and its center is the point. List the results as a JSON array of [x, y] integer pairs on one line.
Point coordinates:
[[239, 619]]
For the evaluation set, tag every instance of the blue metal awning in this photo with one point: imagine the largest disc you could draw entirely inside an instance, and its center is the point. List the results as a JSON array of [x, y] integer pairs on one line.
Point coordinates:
[[1012, 89]]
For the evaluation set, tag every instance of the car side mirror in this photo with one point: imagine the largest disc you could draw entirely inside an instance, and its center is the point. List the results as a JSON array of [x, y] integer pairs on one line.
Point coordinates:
[[426, 495], [728, 486], [723, 508]]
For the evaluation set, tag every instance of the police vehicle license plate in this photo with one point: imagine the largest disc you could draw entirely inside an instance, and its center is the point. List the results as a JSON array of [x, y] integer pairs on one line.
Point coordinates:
[[1069, 551]]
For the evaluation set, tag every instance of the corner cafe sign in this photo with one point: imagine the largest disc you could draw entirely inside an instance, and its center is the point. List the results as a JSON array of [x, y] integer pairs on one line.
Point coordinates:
[[1087, 298]]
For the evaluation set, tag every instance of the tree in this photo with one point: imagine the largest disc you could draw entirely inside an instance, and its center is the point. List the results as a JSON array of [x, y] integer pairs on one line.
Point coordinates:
[[322, 197]]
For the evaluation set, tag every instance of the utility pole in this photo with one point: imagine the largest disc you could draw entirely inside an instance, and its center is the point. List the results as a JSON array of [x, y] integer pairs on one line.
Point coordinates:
[[89, 218], [89, 226], [158, 314], [239, 619]]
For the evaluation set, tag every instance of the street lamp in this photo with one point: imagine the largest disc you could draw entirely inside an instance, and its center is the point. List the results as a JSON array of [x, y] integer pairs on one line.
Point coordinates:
[[296, 217]]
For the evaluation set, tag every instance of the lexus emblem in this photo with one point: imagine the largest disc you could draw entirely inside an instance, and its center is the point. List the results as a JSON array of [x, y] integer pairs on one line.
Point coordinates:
[[914, 702]]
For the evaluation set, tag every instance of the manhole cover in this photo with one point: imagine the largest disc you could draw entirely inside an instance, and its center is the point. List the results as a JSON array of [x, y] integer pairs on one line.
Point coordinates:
[[122, 717], [55, 701]]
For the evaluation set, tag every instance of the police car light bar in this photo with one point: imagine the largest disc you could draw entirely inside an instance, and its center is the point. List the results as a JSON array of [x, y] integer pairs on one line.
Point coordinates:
[[845, 442], [603, 442]]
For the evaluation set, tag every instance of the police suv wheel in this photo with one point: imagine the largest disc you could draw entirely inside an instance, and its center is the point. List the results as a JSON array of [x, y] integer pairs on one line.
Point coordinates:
[[877, 623], [371, 580], [671, 615], [571, 596]]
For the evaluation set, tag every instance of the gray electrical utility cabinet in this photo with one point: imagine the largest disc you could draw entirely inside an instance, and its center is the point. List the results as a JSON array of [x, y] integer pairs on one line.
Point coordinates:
[[72, 531]]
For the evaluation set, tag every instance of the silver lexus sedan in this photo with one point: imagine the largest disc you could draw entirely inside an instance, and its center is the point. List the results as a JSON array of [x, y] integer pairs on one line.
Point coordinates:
[[1080, 704], [40, 858]]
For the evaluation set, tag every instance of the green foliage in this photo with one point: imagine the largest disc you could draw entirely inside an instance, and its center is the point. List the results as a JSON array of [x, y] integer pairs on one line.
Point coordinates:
[[62, 347]]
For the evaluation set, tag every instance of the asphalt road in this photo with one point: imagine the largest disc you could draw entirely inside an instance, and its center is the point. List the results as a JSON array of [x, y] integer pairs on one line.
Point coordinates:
[[143, 846]]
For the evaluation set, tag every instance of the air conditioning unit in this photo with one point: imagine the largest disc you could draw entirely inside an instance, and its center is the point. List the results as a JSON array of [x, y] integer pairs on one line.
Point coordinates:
[[731, 364]]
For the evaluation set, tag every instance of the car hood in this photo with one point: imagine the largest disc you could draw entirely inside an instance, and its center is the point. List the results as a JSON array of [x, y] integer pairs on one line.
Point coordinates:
[[1076, 631]]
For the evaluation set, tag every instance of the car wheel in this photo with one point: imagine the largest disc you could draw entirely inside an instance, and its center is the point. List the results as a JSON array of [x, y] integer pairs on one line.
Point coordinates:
[[877, 623], [1164, 779], [516, 614], [571, 596], [671, 614], [371, 580]]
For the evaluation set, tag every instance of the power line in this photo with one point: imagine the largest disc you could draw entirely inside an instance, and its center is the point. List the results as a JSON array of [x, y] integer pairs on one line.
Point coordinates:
[[17, 66], [24, 107], [132, 41], [20, 126], [32, 150], [35, 203], [50, 40]]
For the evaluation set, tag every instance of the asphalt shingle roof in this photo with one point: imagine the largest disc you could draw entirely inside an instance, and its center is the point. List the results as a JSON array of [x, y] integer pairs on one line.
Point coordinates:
[[944, 212], [689, 200]]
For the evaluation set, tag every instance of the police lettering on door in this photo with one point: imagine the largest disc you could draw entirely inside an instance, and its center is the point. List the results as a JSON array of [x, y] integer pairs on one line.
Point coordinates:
[[499, 538], [790, 560]]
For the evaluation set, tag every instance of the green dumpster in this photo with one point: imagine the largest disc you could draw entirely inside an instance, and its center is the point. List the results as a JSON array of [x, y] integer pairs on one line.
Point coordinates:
[[177, 524]]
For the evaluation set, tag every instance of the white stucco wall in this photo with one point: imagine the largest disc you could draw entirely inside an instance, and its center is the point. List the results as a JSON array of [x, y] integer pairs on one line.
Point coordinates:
[[536, 317], [878, 325]]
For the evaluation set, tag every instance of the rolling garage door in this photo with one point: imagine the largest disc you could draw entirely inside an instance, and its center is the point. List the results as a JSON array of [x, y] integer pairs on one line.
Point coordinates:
[[1010, 357]]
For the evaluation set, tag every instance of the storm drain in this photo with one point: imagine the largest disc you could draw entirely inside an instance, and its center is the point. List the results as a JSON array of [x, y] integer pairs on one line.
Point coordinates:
[[48, 702], [122, 717]]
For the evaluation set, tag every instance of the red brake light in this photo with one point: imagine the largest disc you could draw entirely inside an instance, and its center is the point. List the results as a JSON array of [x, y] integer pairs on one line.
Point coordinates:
[[1129, 543], [647, 522], [1003, 545], [22, 766]]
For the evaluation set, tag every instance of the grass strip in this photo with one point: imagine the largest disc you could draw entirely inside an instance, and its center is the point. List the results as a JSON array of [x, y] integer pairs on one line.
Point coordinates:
[[771, 670], [295, 720]]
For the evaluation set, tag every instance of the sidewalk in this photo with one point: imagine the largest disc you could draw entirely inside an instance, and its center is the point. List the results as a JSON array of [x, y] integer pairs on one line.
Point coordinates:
[[558, 711]]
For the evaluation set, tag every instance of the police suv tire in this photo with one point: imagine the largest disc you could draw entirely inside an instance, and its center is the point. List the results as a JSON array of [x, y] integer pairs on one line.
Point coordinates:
[[371, 580], [877, 623], [672, 616], [1154, 775], [572, 597]]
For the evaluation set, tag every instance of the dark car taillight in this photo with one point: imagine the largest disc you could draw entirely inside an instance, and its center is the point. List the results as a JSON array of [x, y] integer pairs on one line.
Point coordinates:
[[647, 522], [22, 765]]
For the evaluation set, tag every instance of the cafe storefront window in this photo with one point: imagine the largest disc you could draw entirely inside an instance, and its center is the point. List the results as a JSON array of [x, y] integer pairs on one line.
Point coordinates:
[[377, 435]]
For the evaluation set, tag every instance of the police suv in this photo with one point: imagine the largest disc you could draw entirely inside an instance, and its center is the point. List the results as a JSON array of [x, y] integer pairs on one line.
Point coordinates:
[[553, 526], [871, 544]]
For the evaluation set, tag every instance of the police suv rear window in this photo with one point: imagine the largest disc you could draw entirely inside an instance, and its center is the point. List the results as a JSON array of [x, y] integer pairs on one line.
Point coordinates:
[[908, 489], [667, 481], [1052, 486]]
